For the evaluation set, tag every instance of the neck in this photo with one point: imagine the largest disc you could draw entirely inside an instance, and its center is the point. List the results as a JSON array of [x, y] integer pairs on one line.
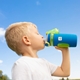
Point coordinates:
[[30, 53]]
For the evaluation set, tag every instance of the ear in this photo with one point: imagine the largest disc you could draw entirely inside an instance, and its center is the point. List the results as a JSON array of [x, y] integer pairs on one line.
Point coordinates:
[[26, 41]]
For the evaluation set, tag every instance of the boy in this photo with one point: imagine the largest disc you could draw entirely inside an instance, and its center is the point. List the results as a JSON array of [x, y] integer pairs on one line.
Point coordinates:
[[25, 40]]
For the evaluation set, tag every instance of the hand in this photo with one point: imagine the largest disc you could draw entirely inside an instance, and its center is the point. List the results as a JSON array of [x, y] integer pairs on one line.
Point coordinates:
[[61, 48]]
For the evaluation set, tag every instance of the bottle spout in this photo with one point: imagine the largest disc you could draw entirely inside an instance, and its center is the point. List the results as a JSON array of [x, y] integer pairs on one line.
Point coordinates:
[[53, 31], [47, 44]]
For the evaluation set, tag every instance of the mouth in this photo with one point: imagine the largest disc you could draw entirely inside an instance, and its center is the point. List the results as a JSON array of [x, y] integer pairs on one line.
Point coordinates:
[[44, 40]]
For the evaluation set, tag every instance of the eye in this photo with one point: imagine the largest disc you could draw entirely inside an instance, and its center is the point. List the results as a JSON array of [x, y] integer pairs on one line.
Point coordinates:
[[37, 33]]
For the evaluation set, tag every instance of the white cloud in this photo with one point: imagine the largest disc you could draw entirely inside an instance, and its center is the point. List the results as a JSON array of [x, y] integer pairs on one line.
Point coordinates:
[[1, 61], [38, 3], [78, 61], [2, 32]]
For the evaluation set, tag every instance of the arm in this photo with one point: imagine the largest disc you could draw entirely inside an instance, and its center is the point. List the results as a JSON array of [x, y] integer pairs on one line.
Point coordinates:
[[64, 69]]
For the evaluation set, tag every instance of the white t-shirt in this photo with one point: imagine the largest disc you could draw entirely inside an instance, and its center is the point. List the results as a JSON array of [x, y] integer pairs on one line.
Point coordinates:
[[27, 68]]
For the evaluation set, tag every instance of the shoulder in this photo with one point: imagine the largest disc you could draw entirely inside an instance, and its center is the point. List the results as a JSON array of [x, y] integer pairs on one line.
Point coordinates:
[[21, 60], [20, 70], [20, 63]]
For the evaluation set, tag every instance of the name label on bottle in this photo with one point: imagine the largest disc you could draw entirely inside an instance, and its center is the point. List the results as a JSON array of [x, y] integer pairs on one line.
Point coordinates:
[[59, 38]]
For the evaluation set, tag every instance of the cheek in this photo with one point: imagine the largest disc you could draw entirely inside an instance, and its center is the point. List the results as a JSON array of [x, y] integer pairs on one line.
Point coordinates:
[[36, 39]]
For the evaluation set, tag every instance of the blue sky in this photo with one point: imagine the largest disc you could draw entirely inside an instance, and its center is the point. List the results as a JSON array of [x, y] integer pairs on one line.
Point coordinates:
[[47, 15]]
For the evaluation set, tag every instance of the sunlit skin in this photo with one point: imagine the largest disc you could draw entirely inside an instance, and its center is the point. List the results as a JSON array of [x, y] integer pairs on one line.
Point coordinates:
[[35, 42]]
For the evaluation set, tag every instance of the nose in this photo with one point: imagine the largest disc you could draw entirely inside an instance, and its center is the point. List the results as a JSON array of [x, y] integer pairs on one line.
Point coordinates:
[[42, 36]]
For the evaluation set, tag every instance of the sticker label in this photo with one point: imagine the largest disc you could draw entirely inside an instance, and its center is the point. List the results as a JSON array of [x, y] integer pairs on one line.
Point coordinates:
[[59, 38]]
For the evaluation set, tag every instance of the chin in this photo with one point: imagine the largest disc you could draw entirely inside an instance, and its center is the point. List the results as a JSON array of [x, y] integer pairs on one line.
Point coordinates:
[[43, 47]]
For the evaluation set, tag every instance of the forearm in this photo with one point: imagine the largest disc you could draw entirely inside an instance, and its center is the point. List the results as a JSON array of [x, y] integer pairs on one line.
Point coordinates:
[[65, 66]]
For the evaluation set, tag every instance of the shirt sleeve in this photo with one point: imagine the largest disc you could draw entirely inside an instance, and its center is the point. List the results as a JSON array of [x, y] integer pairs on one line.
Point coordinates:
[[20, 72], [52, 67]]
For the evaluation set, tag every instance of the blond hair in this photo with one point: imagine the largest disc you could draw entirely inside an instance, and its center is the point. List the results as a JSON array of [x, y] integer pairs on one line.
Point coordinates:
[[14, 34]]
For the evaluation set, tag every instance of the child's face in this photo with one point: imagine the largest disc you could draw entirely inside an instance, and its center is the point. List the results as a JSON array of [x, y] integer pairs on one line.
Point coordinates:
[[37, 41]]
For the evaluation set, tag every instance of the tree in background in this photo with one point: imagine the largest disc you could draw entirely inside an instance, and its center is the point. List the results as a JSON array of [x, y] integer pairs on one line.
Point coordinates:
[[62, 79], [3, 77], [67, 79], [1, 73]]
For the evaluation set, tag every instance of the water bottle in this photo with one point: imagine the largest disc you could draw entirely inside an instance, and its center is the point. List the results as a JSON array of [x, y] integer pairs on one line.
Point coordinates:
[[54, 38]]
